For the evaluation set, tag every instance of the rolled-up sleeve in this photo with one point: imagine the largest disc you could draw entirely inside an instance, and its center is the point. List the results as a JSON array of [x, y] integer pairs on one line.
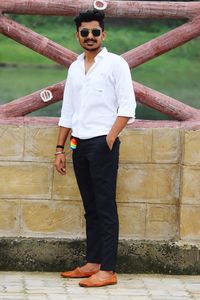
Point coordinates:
[[124, 91], [67, 107]]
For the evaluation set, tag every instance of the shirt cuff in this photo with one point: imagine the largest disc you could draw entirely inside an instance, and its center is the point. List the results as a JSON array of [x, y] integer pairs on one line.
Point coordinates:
[[124, 113], [131, 121]]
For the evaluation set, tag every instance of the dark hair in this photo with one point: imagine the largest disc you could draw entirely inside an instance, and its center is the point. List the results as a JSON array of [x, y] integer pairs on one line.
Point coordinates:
[[88, 16]]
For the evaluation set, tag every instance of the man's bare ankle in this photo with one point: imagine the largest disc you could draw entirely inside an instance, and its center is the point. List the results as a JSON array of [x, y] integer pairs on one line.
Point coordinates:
[[90, 267]]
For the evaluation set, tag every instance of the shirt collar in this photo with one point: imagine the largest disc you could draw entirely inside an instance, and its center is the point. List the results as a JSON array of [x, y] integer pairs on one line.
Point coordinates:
[[101, 54]]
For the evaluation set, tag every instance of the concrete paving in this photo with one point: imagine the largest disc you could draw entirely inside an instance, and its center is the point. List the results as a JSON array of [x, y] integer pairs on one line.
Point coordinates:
[[50, 286]]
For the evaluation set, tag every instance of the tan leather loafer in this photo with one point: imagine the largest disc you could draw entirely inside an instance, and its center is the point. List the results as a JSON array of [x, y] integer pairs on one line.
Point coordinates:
[[93, 281], [77, 273]]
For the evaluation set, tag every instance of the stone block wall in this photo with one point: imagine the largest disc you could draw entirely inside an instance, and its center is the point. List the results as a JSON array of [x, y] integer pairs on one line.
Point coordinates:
[[158, 185]]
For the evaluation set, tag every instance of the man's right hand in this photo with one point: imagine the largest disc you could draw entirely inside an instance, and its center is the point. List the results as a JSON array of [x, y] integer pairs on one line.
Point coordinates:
[[60, 163]]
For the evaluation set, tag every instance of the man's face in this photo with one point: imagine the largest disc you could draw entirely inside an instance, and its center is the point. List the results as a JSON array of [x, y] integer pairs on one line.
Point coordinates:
[[90, 35]]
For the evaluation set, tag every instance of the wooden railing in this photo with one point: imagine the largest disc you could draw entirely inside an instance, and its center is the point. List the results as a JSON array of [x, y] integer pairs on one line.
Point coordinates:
[[135, 57]]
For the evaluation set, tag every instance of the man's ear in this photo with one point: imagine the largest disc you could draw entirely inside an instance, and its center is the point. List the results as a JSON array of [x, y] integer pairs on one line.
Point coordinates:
[[77, 36], [103, 35]]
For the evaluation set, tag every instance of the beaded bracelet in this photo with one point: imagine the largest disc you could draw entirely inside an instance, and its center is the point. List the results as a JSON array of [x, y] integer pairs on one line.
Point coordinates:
[[60, 152]]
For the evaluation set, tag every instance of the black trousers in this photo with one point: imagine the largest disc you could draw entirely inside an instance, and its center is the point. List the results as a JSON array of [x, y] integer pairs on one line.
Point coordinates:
[[96, 167]]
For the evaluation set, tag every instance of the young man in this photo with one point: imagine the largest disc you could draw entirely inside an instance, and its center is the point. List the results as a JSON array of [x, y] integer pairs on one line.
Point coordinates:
[[98, 102]]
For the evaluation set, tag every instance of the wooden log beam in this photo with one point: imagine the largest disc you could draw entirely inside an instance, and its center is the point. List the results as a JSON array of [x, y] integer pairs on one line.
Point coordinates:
[[165, 104], [152, 9], [164, 43], [36, 42], [145, 95], [188, 125], [51, 121], [125, 9], [27, 104], [47, 121]]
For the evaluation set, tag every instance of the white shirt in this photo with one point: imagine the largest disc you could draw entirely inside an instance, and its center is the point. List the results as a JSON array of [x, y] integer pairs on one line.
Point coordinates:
[[93, 101]]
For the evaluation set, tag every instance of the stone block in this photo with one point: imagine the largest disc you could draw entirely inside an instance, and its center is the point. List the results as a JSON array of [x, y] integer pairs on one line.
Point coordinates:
[[166, 146], [161, 222], [136, 145], [9, 217], [132, 220], [12, 142], [190, 185], [40, 143], [25, 180], [148, 183], [191, 148], [190, 222], [53, 218], [65, 187]]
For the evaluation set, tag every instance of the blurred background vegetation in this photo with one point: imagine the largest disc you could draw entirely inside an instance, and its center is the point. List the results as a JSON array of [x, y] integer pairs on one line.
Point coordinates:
[[177, 73]]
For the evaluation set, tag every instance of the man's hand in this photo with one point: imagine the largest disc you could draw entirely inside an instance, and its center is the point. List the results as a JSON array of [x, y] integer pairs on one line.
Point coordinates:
[[60, 163], [110, 141], [117, 127]]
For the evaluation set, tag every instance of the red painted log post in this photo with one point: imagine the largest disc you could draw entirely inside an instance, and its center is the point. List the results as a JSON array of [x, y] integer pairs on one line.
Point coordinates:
[[36, 42], [163, 44], [165, 104], [145, 95], [125, 9], [32, 102]]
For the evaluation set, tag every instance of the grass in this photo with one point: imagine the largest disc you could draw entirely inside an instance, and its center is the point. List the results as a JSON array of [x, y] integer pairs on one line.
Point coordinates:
[[175, 73]]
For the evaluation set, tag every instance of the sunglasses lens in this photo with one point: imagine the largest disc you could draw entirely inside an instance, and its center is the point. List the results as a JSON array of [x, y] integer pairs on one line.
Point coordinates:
[[84, 32], [96, 32]]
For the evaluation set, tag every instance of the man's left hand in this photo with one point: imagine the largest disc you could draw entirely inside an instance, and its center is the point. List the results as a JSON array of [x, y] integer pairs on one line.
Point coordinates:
[[110, 141]]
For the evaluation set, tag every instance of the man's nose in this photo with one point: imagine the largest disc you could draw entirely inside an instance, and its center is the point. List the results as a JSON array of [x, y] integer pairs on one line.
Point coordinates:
[[90, 35]]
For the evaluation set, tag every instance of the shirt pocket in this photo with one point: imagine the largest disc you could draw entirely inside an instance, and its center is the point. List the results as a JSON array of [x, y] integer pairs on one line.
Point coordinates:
[[98, 83]]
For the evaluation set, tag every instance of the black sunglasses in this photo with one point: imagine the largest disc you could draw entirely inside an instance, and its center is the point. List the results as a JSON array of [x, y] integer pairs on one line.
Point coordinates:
[[85, 32]]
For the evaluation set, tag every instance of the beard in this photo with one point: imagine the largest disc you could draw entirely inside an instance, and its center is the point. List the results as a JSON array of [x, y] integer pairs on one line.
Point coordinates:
[[91, 49], [88, 48]]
